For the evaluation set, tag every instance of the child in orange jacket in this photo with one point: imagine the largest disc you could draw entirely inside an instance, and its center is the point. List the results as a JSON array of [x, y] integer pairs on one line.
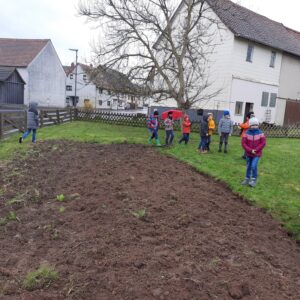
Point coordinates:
[[186, 129], [245, 126]]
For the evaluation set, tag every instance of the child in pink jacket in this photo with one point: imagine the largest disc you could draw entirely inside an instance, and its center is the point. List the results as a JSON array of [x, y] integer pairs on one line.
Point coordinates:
[[253, 142]]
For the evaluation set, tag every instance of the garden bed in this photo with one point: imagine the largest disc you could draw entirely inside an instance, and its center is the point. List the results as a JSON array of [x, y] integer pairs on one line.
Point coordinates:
[[125, 222]]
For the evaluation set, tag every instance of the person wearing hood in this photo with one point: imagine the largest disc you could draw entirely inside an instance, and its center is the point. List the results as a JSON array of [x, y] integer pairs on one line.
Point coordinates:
[[153, 126], [186, 129], [253, 142], [32, 122], [225, 129], [245, 126], [203, 134]]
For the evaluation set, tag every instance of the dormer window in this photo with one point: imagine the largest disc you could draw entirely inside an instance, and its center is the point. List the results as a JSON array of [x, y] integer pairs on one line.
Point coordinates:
[[71, 76], [84, 77], [250, 50], [273, 58]]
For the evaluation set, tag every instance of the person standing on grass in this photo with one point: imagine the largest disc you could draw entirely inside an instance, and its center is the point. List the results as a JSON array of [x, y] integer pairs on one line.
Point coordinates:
[[153, 125], [211, 128], [253, 142], [32, 122], [225, 129], [245, 126], [203, 134], [169, 129], [186, 129]]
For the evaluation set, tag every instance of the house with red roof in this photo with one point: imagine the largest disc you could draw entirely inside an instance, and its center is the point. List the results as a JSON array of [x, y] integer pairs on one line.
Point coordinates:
[[40, 68]]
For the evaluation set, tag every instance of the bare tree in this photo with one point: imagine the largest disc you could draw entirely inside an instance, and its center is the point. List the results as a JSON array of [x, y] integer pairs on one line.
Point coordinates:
[[162, 45]]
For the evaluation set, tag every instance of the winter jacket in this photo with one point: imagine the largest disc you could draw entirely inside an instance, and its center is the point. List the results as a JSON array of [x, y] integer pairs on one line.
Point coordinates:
[[204, 126], [152, 122], [168, 124], [254, 139], [186, 125], [32, 116], [225, 125], [244, 126], [211, 126]]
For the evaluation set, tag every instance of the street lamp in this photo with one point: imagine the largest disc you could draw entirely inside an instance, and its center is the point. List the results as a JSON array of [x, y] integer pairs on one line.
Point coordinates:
[[75, 50]]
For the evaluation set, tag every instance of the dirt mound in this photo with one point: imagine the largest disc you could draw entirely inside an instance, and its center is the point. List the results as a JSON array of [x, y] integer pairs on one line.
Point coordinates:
[[132, 224]]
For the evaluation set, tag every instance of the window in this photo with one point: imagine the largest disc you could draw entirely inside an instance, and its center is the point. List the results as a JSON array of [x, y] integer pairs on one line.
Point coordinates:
[[100, 91], [84, 77], [265, 99], [100, 102], [273, 58], [71, 76], [108, 103], [273, 98], [238, 108], [69, 88], [250, 53], [109, 92]]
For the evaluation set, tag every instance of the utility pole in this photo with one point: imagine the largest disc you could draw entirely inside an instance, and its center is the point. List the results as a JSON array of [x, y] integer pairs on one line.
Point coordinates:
[[76, 51]]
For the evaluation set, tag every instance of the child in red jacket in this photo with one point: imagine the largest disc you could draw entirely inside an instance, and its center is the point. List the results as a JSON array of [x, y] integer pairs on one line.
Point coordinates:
[[253, 142], [186, 129]]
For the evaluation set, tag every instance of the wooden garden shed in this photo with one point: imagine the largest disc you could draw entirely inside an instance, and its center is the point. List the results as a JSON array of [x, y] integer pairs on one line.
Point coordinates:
[[11, 86]]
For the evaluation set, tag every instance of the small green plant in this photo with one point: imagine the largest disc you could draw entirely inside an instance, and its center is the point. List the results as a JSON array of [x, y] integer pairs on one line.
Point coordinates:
[[12, 216], [3, 221], [60, 197], [62, 209], [140, 214], [42, 277]]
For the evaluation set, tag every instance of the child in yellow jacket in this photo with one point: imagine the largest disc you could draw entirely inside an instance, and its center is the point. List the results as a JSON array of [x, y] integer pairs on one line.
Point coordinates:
[[211, 128]]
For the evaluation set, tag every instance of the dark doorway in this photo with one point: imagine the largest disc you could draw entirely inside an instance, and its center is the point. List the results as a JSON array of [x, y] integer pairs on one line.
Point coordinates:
[[248, 108]]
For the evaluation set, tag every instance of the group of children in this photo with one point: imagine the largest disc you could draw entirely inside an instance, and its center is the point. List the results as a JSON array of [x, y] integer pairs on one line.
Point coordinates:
[[253, 139]]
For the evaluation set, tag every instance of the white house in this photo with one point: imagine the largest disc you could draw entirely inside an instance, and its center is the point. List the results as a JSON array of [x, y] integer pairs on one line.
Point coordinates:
[[255, 63], [100, 88], [38, 64]]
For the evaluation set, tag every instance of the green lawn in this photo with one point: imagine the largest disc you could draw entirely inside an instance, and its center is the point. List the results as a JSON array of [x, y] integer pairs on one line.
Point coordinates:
[[278, 188]]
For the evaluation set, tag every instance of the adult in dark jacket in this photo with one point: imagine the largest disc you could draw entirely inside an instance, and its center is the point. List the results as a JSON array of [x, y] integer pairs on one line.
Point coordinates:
[[32, 122], [203, 134]]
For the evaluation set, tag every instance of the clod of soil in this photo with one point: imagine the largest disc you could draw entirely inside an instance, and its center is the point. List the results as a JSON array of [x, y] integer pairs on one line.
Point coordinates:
[[197, 240]]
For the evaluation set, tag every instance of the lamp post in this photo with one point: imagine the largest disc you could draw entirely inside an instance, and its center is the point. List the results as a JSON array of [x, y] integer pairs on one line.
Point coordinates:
[[75, 50]]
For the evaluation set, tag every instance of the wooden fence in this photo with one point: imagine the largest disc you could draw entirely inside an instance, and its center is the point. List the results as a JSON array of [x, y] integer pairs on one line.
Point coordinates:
[[139, 120], [12, 121]]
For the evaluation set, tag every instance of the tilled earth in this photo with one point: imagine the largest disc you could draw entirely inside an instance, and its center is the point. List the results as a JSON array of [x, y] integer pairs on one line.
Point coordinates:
[[134, 224]]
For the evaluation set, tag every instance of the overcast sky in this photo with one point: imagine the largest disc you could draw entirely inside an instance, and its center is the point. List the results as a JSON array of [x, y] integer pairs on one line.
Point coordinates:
[[57, 20]]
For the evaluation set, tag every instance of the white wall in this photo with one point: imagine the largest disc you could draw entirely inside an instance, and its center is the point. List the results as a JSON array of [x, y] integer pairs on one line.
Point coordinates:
[[251, 92], [84, 90], [289, 84], [250, 79], [46, 79], [259, 69]]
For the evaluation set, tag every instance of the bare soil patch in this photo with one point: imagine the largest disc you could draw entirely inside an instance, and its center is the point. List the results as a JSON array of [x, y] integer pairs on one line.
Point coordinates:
[[135, 225]]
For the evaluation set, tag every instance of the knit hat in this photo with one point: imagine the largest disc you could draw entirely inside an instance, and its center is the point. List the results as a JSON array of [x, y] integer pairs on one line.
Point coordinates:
[[155, 113], [226, 113], [253, 122]]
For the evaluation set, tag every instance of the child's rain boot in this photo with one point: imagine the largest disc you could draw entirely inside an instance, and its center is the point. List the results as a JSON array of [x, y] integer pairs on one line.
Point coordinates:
[[149, 140], [158, 144]]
